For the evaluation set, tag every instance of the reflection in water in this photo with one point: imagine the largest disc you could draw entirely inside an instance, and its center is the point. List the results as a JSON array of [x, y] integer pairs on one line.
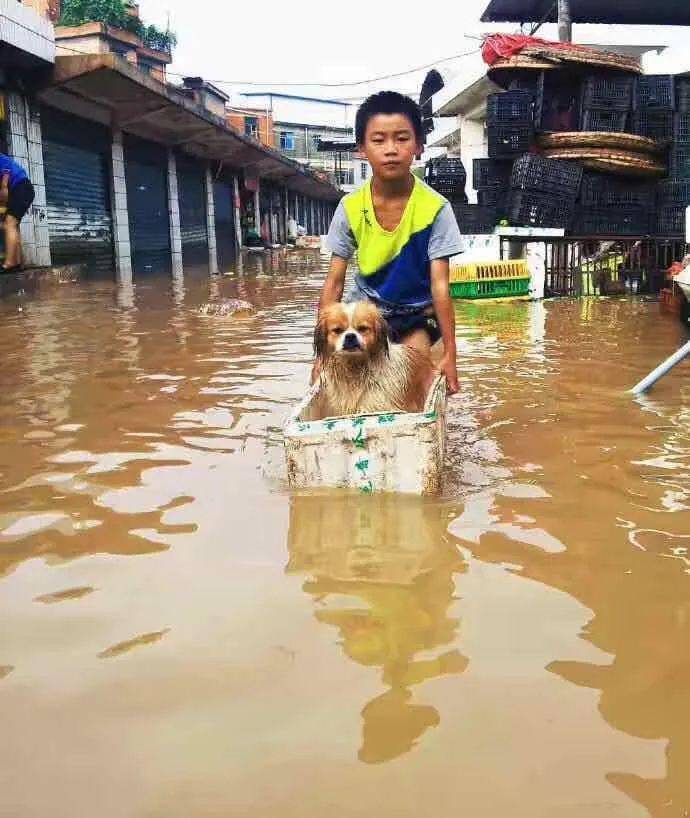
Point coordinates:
[[130, 644], [379, 574], [65, 596], [140, 455], [612, 533]]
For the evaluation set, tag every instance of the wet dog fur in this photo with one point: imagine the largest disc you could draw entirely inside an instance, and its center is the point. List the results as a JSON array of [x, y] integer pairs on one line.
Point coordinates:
[[361, 371]]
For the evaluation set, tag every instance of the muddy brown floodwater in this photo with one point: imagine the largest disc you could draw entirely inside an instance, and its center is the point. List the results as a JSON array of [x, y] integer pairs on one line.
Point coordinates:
[[183, 637]]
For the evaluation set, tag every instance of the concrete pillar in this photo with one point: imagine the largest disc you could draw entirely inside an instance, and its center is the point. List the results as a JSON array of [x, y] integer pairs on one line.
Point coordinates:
[[211, 225], [474, 146], [120, 212], [565, 22], [286, 214], [236, 212], [25, 144], [257, 207], [174, 217]]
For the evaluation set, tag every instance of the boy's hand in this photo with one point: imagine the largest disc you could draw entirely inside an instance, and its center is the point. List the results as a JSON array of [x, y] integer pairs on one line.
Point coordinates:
[[448, 366]]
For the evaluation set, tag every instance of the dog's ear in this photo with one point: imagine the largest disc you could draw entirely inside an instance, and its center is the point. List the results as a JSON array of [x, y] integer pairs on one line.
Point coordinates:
[[381, 334], [321, 338]]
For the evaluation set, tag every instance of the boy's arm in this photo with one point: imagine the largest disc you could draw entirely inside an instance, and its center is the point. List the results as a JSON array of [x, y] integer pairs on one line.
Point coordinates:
[[443, 306], [333, 286], [331, 293]]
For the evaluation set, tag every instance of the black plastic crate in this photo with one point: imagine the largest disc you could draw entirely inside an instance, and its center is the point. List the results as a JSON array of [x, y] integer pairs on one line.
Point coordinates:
[[529, 208], [597, 119], [656, 91], [654, 123], [474, 220], [670, 221], [451, 188], [445, 165], [505, 142], [679, 162], [510, 108], [492, 197], [600, 190], [608, 91], [682, 94], [554, 176], [674, 192], [681, 128], [611, 221], [528, 81], [489, 172]]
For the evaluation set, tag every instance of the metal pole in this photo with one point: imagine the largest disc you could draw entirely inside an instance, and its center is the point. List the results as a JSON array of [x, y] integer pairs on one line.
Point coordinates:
[[565, 22], [661, 370]]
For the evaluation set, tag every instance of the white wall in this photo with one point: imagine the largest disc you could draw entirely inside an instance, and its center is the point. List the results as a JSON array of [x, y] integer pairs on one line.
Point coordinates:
[[23, 28], [303, 111], [474, 146]]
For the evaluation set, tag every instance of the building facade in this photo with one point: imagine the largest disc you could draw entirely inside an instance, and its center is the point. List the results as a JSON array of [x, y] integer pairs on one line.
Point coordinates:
[[134, 175], [300, 124]]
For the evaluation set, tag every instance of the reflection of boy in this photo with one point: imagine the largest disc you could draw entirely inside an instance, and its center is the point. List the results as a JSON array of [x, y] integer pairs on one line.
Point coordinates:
[[17, 194]]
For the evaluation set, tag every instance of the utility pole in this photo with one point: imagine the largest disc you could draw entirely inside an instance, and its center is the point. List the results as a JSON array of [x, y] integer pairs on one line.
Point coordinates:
[[565, 22]]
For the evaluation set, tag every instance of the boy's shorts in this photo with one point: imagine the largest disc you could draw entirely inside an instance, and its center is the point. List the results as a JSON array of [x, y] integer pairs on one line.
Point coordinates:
[[19, 199], [400, 326]]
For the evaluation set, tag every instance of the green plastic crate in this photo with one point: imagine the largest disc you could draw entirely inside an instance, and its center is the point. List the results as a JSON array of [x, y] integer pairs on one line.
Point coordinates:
[[490, 288]]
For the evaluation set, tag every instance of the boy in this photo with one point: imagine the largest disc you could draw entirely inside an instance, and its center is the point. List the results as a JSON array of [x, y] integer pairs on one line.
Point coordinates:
[[17, 193], [403, 231]]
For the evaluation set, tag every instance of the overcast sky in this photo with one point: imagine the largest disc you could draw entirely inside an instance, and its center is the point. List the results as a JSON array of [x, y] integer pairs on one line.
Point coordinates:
[[274, 42]]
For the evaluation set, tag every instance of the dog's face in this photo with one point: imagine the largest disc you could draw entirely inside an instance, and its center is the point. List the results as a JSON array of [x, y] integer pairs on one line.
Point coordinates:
[[354, 331]]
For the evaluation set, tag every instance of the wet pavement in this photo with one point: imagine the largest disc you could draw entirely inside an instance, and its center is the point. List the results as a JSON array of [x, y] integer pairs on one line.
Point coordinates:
[[184, 637]]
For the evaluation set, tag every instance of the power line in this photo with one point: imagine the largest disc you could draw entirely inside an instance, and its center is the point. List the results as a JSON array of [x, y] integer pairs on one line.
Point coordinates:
[[313, 84]]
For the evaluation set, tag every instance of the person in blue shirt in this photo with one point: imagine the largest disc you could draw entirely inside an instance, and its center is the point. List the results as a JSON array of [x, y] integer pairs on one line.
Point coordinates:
[[17, 194]]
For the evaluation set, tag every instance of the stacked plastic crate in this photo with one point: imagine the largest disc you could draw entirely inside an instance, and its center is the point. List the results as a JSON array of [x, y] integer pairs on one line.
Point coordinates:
[[613, 206], [654, 107], [543, 192], [447, 175], [674, 192], [497, 279], [607, 101], [510, 122]]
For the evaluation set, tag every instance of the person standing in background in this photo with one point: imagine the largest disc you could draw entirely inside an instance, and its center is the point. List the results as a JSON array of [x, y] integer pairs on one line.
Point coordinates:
[[17, 195]]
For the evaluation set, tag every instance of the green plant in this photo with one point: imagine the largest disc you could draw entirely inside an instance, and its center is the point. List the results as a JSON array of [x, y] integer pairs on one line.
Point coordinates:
[[114, 13]]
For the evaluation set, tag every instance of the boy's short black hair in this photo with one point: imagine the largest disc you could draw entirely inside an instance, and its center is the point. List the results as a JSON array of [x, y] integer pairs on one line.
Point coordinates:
[[388, 102]]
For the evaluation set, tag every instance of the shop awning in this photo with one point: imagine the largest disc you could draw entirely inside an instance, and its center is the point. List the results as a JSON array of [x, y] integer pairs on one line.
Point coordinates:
[[619, 12], [142, 106]]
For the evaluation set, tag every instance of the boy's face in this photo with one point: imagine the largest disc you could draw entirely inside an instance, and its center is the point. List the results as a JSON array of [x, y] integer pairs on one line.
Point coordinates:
[[390, 145]]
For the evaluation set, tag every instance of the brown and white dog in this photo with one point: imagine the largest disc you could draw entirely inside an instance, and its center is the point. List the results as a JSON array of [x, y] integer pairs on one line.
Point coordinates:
[[360, 370]]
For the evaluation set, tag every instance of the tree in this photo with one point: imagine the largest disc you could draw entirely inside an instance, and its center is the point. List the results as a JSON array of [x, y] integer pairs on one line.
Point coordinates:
[[114, 13]]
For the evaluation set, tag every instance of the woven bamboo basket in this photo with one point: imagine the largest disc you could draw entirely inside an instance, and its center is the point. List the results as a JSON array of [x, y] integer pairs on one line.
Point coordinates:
[[583, 56], [627, 163], [599, 139]]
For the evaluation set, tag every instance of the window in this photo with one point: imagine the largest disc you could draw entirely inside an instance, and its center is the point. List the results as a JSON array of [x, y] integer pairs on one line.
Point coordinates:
[[364, 170], [345, 177], [287, 141], [251, 126], [147, 66], [315, 139]]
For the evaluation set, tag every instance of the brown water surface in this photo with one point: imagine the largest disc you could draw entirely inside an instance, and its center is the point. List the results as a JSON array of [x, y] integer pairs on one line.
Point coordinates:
[[183, 637]]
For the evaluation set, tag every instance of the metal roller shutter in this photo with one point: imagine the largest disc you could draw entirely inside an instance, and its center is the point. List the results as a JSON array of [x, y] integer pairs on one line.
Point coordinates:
[[76, 155], [192, 194], [225, 225], [146, 171]]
